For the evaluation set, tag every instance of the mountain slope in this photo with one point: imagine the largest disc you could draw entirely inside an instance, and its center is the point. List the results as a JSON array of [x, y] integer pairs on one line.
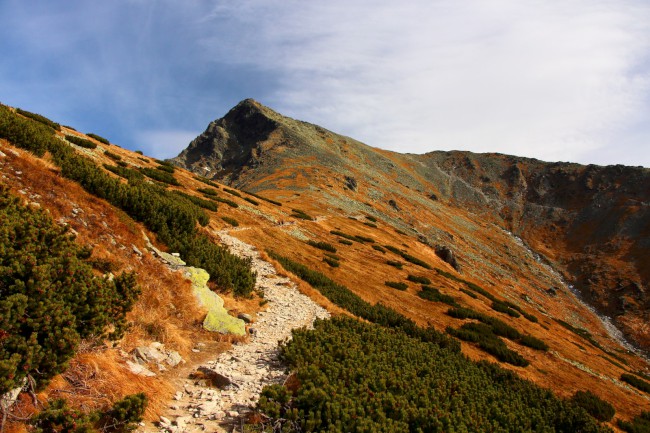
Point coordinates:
[[357, 233], [592, 224]]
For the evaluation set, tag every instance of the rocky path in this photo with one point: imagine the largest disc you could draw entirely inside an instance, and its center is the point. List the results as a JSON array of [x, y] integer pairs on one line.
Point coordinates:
[[250, 366]]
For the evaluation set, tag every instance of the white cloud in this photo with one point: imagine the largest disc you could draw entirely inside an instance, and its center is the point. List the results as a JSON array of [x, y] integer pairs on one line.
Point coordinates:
[[164, 143], [555, 80]]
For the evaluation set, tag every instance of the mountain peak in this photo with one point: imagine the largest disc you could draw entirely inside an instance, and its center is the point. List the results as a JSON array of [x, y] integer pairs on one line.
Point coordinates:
[[229, 143]]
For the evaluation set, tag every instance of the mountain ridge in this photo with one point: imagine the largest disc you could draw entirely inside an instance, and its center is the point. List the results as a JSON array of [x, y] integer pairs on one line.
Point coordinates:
[[590, 222]]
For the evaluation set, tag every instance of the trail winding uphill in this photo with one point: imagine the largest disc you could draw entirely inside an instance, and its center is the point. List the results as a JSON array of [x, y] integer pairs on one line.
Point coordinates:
[[248, 366]]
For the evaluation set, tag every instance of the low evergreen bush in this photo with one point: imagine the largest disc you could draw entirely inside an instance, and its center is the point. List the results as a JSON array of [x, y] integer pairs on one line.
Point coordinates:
[[322, 245], [39, 118], [50, 297], [418, 279], [98, 138], [297, 213], [159, 175], [122, 417], [397, 285], [636, 382], [639, 424], [432, 294], [82, 142], [233, 222], [359, 377], [594, 405]]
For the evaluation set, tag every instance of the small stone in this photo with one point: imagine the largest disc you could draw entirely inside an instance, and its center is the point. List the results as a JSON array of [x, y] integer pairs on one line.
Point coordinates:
[[245, 317], [173, 359], [178, 396], [233, 413], [165, 422]]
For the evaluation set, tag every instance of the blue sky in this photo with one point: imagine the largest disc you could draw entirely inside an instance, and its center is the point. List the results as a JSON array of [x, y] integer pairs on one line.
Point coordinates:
[[557, 80]]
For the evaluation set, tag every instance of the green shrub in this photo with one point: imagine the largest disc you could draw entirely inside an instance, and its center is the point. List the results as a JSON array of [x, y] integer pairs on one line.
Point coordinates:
[[501, 307], [39, 118], [369, 224], [332, 262], [208, 191], [232, 192], [50, 297], [332, 256], [233, 222], [322, 245], [277, 203], [123, 417], [113, 156], [125, 414], [345, 242], [469, 293], [166, 168], [206, 181], [82, 142], [251, 201], [594, 405], [98, 138], [397, 285], [139, 152], [407, 257], [636, 382], [202, 203], [639, 424], [297, 213], [230, 203], [357, 238], [395, 264], [122, 164], [489, 342], [432, 294], [143, 159], [379, 248], [126, 173], [419, 280], [371, 218], [359, 377], [160, 176], [498, 327]]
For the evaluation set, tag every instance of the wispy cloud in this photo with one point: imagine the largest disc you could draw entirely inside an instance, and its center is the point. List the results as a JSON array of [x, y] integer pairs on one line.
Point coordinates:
[[164, 143], [557, 80]]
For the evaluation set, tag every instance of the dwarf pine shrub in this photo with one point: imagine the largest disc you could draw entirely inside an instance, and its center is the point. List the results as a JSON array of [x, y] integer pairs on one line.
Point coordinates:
[[50, 296]]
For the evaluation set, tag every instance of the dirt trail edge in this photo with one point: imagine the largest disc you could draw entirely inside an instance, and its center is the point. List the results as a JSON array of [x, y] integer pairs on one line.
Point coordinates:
[[249, 366]]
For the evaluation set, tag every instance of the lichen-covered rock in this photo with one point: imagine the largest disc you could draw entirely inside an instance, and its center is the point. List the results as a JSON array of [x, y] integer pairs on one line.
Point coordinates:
[[217, 319]]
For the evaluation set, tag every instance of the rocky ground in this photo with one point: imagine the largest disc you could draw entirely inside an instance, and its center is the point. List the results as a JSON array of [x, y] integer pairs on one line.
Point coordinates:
[[219, 392]]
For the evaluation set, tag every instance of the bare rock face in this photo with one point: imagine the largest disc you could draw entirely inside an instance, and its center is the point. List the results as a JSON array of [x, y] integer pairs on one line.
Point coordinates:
[[229, 144], [448, 256]]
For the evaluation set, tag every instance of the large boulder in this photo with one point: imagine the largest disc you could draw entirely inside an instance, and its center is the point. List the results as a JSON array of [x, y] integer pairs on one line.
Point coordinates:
[[217, 319]]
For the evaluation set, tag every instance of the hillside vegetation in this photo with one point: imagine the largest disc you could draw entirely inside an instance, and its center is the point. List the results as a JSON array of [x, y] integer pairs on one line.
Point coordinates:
[[482, 339], [364, 378]]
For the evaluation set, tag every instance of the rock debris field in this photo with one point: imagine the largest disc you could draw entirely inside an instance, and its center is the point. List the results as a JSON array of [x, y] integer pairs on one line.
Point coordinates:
[[241, 372]]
